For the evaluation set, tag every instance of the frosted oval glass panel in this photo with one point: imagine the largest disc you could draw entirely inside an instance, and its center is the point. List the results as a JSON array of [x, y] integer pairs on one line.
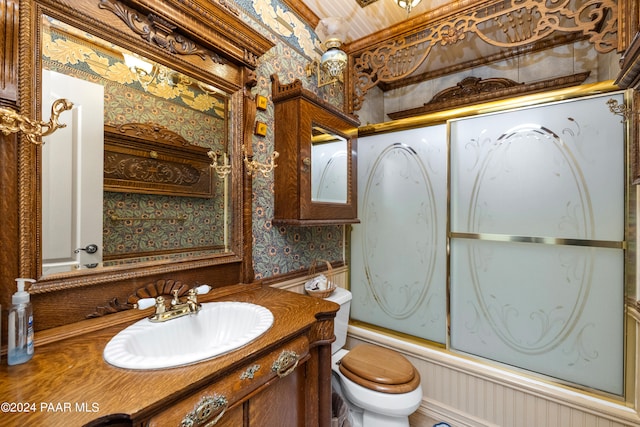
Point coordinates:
[[398, 257], [543, 171], [554, 304], [556, 310]]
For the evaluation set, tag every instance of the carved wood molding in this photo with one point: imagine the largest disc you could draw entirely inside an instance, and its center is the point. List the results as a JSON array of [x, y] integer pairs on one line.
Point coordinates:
[[503, 55], [149, 158], [154, 29], [504, 24], [471, 86], [164, 287], [281, 92], [630, 65], [474, 90], [154, 131]]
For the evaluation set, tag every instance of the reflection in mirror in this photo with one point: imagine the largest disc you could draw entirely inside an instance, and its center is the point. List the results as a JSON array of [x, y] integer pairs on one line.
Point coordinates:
[[329, 167], [112, 87]]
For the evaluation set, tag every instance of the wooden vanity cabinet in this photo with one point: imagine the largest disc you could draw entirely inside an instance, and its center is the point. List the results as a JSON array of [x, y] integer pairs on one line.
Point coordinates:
[[268, 391], [304, 124], [282, 378]]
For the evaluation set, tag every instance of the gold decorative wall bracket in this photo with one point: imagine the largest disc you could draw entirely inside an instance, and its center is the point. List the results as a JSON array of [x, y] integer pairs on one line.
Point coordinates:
[[12, 122], [324, 78], [253, 166], [222, 170], [623, 110]]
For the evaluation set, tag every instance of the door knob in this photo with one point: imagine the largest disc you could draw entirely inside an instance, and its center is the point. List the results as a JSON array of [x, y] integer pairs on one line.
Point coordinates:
[[90, 249]]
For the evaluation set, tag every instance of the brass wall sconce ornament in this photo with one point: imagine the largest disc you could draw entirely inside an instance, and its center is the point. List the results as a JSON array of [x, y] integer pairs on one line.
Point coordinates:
[[221, 169], [253, 166], [12, 122], [407, 4], [330, 69], [620, 110], [324, 77]]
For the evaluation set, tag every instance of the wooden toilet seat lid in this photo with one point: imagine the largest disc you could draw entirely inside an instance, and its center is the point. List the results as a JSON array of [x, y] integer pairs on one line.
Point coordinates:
[[379, 369]]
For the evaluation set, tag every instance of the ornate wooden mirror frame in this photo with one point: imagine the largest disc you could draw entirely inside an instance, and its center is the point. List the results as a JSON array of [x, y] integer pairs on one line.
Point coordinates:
[[204, 39]]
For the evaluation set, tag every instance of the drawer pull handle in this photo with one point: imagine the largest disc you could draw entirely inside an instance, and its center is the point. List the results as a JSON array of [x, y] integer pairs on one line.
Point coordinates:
[[207, 412], [285, 364], [250, 372]]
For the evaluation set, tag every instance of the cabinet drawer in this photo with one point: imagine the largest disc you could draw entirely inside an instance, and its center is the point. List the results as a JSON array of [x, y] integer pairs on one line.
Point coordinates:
[[224, 398]]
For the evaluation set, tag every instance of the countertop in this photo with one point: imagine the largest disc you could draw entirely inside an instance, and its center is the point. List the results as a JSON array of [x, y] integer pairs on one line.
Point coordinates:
[[68, 382]]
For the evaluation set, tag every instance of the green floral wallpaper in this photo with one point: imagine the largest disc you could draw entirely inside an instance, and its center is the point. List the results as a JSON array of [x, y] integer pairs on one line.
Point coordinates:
[[282, 249]]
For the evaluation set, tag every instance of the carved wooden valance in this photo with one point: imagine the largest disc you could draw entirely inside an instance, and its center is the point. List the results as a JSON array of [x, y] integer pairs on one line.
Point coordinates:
[[474, 90], [630, 65], [148, 158], [500, 23], [233, 37]]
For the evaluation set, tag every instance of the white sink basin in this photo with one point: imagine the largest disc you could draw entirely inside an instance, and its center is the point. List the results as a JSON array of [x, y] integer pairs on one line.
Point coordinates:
[[218, 328]]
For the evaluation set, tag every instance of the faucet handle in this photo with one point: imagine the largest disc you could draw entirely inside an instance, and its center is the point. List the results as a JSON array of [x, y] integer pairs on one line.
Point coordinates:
[[144, 303], [176, 298], [202, 289]]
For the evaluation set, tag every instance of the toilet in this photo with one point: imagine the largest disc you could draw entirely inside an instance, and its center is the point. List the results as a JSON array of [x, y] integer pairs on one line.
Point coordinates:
[[380, 386]]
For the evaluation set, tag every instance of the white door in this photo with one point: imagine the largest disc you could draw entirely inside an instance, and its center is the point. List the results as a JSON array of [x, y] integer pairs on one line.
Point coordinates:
[[72, 175]]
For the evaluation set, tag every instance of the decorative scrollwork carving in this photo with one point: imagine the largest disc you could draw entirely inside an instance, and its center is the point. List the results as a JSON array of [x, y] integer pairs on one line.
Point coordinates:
[[473, 90], [157, 30], [474, 86], [124, 167], [112, 306], [621, 110], [155, 131], [507, 24]]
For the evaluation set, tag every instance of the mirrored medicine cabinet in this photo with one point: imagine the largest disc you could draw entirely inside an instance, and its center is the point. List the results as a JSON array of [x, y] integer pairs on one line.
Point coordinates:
[[315, 181]]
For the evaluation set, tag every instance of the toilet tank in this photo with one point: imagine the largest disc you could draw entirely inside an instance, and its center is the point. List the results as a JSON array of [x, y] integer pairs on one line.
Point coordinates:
[[341, 297]]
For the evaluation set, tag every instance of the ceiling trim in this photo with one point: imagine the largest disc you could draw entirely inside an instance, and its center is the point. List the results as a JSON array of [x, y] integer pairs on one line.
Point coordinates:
[[505, 24], [559, 40], [419, 21]]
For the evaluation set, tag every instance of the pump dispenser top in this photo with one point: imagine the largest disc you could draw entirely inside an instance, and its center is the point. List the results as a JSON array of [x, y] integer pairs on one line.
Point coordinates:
[[22, 296]]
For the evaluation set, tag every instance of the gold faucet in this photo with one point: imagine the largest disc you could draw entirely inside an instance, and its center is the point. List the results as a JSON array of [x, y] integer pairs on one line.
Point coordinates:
[[177, 308]]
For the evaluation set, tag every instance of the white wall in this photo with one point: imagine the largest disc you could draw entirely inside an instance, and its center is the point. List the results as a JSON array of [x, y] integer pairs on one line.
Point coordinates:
[[529, 68]]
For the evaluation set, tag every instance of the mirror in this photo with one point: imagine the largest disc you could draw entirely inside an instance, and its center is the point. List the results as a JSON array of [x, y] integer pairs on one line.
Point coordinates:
[[329, 166], [91, 219], [108, 201]]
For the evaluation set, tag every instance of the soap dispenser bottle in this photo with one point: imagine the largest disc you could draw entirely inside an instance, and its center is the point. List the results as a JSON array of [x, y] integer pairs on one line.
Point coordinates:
[[20, 327]]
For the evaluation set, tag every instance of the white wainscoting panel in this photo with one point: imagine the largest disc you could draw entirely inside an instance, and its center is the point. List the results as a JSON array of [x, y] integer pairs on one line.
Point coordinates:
[[466, 393]]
